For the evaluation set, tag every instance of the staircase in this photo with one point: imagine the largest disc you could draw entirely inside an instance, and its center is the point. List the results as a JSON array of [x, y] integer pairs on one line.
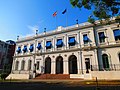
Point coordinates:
[[53, 76]]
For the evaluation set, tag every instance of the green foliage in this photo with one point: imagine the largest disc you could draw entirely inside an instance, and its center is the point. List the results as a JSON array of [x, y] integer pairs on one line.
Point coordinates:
[[3, 76], [117, 19], [91, 20], [102, 9]]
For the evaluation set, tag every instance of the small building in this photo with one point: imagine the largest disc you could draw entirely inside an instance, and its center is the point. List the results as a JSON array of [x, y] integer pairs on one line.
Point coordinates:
[[6, 55]]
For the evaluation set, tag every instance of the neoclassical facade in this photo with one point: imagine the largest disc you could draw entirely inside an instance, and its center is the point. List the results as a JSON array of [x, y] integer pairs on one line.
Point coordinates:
[[83, 51]]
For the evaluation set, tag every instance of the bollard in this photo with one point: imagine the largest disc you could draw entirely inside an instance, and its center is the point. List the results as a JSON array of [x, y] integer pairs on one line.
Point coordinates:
[[97, 88]]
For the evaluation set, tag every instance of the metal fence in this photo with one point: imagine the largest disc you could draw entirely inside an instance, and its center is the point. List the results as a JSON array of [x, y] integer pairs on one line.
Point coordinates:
[[110, 67]]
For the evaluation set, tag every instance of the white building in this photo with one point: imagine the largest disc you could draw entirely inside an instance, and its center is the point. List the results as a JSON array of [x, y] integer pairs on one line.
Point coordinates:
[[83, 51]]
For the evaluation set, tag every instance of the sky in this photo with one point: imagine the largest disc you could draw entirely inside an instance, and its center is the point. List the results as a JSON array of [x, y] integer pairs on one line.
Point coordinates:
[[22, 17]]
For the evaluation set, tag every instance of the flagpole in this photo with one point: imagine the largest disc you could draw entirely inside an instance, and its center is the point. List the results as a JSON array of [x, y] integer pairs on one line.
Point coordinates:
[[66, 17], [56, 21]]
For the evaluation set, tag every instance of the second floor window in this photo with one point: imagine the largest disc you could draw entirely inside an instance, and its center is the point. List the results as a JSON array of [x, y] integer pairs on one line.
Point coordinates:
[[39, 46], [19, 50], [31, 48], [59, 43], [71, 41], [101, 37], [116, 34], [25, 49], [48, 45], [85, 39]]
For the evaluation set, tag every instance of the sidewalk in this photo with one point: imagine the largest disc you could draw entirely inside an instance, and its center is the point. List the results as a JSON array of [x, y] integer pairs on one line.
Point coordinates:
[[69, 82]]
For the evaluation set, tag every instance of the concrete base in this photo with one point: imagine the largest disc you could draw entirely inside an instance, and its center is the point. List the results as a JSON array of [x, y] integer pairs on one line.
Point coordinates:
[[106, 75], [81, 76], [18, 76]]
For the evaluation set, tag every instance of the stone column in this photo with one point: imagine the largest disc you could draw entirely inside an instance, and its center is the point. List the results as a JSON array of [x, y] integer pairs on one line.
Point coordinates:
[[53, 67], [13, 64], [79, 63], [65, 67]]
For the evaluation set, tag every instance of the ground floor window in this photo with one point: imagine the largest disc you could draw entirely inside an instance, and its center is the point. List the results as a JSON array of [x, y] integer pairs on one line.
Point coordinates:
[[29, 64], [119, 56], [105, 61], [23, 65], [16, 65]]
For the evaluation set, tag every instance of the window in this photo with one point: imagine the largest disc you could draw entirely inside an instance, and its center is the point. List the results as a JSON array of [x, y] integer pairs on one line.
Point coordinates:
[[16, 65], [19, 50], [38, 64], [85, 39], [105, 61], [29, 64], [39, 46], [25, 49], [23, 65], [31, 48], [116, 34], [71, 41], [59, 43], [48, 45], [119, 56], [101, 37]]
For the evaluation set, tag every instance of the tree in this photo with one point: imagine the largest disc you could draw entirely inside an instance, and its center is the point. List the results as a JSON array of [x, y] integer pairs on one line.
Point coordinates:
[[102, 9]]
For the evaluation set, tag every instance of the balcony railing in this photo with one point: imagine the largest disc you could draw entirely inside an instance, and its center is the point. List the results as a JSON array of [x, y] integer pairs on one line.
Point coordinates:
[[110, 67]]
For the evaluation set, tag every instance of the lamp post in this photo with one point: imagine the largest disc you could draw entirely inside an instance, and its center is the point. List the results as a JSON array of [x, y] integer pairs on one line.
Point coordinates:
[[34, 56]]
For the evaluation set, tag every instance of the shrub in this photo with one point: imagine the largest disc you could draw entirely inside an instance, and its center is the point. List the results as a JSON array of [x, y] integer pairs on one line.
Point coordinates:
[[3, 76]]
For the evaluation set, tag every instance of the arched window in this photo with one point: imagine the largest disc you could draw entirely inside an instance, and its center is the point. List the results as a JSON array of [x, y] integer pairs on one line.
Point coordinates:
[[29, 65], [119, 57], [105, 61], [23, 65], [16, 65]]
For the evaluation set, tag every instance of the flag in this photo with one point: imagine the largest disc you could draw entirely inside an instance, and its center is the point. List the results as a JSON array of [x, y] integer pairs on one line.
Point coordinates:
[[64, 11], [54, 14]]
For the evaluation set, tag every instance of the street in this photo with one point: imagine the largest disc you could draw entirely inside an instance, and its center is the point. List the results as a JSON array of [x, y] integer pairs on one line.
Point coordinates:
[[51, 86]]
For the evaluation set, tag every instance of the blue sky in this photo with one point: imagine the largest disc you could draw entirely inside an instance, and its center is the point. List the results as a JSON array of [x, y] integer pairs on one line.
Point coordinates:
[[23, 17]]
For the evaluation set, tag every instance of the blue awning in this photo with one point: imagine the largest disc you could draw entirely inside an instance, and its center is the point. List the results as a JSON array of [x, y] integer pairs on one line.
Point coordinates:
[[19, 49], [116, 32], [59, 42], [25, 48], [39, 46], [48, 44], [85, 38], [71, 40], [101, 35], [31, 48]]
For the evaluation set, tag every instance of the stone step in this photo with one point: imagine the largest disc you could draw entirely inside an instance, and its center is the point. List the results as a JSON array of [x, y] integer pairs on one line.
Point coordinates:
[[53, 76]]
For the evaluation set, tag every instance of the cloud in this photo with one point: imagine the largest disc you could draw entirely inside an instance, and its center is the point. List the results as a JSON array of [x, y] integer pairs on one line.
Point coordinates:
[[33, 28]]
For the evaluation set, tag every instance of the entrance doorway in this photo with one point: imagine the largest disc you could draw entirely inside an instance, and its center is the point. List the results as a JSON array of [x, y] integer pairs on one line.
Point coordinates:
[[59, 65], [87, 63], [72, 64], [48, 65]]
